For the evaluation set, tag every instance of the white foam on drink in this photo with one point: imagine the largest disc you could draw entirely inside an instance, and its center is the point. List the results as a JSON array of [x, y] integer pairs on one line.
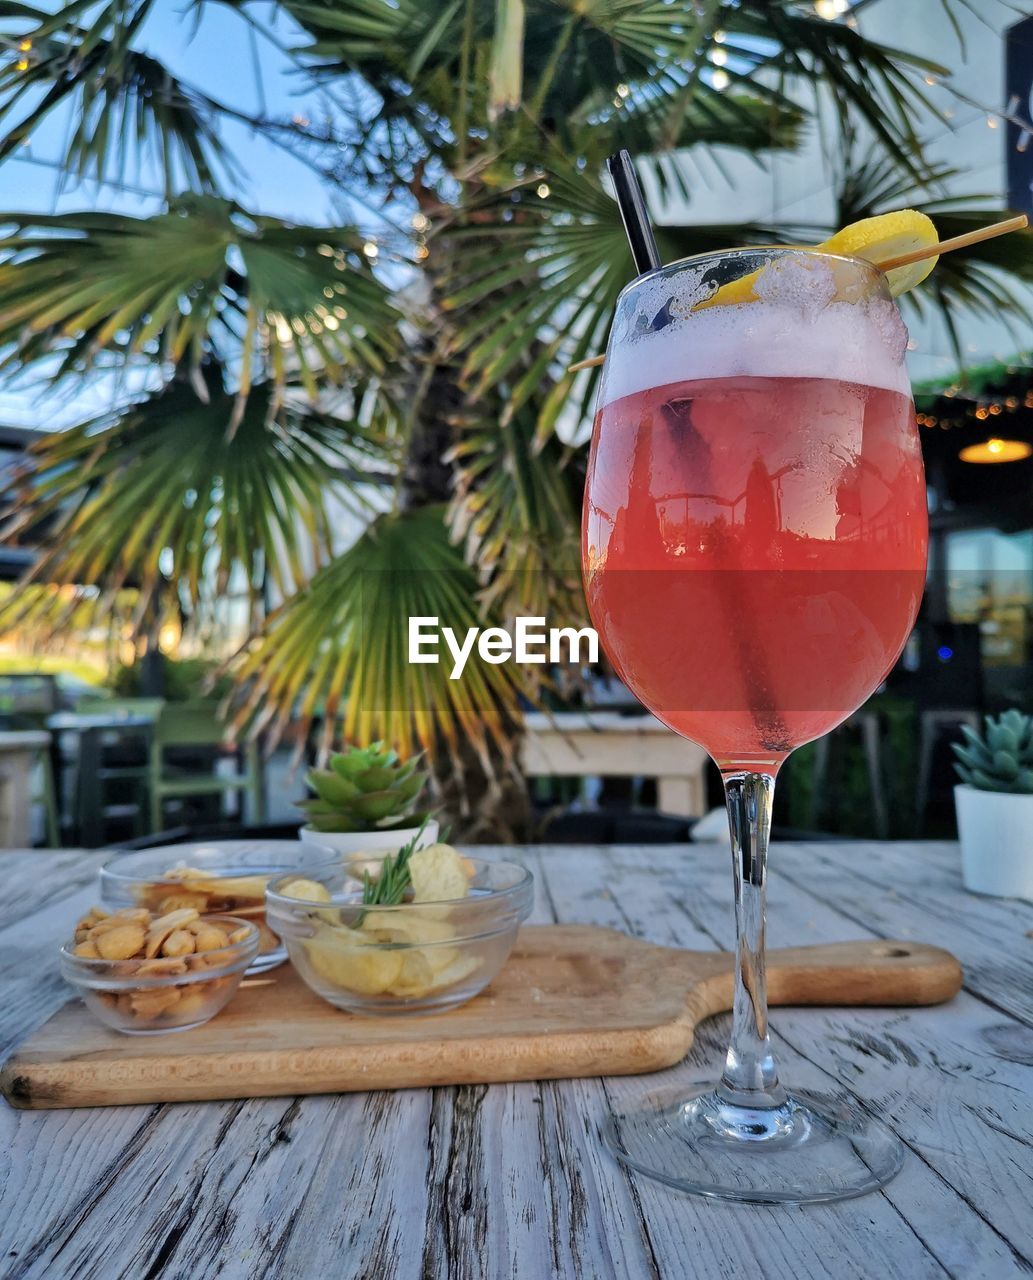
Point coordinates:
[[793, 330]]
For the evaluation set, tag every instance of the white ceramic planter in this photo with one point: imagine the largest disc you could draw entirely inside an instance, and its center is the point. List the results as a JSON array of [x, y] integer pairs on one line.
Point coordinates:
[[996, 833], [378, 842]]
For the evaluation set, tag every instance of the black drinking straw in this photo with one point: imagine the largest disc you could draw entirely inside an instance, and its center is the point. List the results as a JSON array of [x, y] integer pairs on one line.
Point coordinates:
[[633, 211]]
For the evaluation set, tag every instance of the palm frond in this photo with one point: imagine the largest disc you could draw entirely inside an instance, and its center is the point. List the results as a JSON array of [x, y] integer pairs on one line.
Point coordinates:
[[534, 281], [866, 80], [205, 279], [163, 497], [980, 279], [516, 513], [506, 72], [977, 280], [877, 183], [339, 649], [126, 105]]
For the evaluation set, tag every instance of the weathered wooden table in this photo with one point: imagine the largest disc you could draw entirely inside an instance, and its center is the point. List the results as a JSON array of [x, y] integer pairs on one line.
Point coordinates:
[[477, 1183]]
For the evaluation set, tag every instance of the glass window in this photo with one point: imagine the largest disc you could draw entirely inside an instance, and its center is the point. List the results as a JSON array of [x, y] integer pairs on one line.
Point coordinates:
[[990, 581]]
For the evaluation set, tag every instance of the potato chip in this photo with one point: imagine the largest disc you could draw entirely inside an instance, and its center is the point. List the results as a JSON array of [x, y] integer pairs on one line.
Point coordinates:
[[334, 955], [306, 890], [400, 925], [438, 874], [415, 978]]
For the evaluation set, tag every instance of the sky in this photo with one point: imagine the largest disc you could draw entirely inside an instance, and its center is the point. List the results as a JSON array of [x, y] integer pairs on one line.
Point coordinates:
[[219, 57]]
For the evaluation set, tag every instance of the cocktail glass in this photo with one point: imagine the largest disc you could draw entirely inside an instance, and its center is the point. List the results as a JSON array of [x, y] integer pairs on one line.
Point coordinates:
[[754, 552]]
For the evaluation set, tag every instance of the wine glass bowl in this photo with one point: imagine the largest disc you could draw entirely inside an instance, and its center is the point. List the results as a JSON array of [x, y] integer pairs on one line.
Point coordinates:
[[755, 513]]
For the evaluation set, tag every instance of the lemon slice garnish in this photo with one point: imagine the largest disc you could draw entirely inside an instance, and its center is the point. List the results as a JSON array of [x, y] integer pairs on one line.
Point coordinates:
[[878, 239], [886, 236]]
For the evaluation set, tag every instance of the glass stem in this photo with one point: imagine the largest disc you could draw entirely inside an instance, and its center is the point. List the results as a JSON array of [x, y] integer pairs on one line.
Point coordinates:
[[750, 1077]]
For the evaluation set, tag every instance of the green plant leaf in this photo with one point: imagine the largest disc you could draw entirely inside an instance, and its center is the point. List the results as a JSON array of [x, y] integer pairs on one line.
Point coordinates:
[[126, 107], [163, 498], [339, 647], [205, 280]]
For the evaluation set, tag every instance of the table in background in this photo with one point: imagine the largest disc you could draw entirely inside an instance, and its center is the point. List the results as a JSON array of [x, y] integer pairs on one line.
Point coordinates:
[[582, 744], [486, 1183]]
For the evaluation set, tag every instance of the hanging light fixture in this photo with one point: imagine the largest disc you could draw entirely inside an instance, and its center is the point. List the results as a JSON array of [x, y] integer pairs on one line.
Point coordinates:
[[996, 450]]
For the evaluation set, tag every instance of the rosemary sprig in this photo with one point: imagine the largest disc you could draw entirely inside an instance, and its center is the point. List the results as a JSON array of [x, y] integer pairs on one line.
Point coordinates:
[[388, 889]]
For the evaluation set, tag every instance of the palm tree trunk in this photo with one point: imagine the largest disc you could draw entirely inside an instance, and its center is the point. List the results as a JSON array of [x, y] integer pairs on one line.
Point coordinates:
[[427, 477], [480, 804]]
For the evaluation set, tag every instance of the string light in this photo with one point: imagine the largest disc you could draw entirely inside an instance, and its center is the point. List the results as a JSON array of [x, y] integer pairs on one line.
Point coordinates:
[[981, 410], [718, 57], [720, 80], [622, 91], [991, 123], [422, 253], [719, 37], [370, 250], [543, 189], [420, 221]]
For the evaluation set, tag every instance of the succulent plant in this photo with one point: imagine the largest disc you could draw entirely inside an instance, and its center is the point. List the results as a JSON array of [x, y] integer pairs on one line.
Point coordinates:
[[365, 789], [1000, 760]]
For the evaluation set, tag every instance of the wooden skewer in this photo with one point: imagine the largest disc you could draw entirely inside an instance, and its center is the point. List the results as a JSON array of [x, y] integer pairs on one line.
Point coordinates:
[[590, 363], [901, 260], [955, 242]]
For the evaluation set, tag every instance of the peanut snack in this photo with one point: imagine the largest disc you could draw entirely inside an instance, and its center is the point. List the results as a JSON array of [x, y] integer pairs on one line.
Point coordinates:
[[358, 960], [140, 944]]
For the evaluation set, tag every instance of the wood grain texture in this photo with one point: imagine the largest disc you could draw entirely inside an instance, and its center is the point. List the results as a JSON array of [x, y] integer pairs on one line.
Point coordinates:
[[510, 1181], [573, 1000]]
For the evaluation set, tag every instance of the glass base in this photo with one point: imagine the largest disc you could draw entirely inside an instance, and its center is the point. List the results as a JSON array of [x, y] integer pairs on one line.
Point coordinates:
[[811, 1148], [266, 960]]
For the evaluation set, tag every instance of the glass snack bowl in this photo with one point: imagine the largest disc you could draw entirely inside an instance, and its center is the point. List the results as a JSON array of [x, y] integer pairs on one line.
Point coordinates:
[[231, 879], [414, 957], [149, 997]]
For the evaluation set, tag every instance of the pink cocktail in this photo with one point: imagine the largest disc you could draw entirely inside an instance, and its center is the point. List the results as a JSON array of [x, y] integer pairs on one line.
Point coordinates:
[[754, 551]]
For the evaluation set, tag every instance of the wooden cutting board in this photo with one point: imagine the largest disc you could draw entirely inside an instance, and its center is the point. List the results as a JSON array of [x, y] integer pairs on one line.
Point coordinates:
[[573, 1000]]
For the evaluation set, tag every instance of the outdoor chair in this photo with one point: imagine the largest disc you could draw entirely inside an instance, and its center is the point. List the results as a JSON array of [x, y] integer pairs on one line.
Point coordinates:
[[45, 795], [828, 762], [112, 765], [191, 725]]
